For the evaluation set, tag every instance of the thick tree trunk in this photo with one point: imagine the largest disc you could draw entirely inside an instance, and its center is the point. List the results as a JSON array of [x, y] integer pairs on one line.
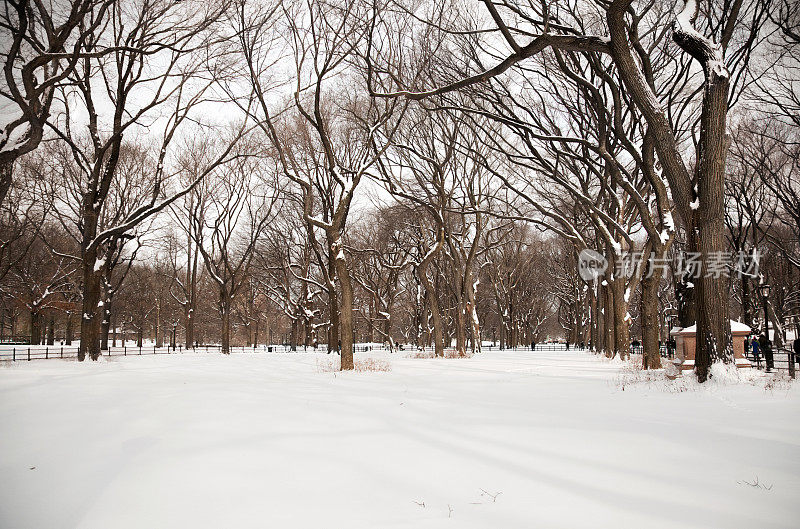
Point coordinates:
[[651, 357], [294, 335], [36, 327], [622, 342], [68, 333], [346, 312], [90, 320], [92, 281], [6, 174], [105, 327], [225, 309], [51, 329], [713, 323], [619, 311], [461, 327]]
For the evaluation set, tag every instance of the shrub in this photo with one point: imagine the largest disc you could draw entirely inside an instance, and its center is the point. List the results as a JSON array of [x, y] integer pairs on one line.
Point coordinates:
[[361, 365]]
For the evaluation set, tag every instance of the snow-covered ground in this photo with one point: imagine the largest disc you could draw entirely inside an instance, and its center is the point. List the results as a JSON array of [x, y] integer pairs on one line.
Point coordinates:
[[500, 440]]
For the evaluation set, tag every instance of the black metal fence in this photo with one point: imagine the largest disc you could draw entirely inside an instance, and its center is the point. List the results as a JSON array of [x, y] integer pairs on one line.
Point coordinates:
[[781, 358], [17, 352], [43, 352]]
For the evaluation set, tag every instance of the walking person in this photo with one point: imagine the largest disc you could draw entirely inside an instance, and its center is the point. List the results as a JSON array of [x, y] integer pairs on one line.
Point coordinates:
[[766, 347], [755, 347], [796, 348], [533, 345]]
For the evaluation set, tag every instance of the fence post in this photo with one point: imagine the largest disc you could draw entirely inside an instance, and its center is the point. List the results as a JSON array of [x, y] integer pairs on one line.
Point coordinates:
[[29, 354], [140, 350], [46, 353], [62, 351], [13, 354], [124, 350]]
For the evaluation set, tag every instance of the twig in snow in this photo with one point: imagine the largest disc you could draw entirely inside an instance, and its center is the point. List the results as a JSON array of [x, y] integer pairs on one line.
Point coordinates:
[[450, 509], [420, 503], [755, 484], [493, 496]]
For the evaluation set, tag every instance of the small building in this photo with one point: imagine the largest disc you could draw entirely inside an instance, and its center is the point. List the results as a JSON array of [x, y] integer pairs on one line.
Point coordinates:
[[686, 341]]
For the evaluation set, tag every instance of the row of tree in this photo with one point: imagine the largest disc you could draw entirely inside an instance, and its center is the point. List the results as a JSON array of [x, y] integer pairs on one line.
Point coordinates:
[[400, 171]]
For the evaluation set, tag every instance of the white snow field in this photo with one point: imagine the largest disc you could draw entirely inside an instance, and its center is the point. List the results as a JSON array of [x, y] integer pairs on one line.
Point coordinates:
[[500, 440]]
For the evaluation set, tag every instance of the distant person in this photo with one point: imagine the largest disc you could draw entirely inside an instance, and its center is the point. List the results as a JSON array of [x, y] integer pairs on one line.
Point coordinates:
[[796, 348], [755, 347], [582, 345], [533, 345], [766, 348], [567, 345]]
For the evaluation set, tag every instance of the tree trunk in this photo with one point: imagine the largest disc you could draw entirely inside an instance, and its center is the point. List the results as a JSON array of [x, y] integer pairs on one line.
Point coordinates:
[[713, 323], [90, 321], [68, 332], [191, 298], [36, 327], [294, 335], [608, 321], [594, 335], [346, 312], [651, 357], [622, 343], [105, 327], [92, 281], [6, 174], [461, 327], [225, 306], [51, 329], [158, 335], [189, 325], [433, 306]]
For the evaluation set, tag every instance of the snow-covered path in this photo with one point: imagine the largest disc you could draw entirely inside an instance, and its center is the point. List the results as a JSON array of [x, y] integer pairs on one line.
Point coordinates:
[[501, 440]]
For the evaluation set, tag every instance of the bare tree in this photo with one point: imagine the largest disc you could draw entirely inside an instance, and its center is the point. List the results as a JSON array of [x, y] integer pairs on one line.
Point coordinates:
[[46, 41], [546, 27], [333, 154], [239, 204], [161, 69]]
